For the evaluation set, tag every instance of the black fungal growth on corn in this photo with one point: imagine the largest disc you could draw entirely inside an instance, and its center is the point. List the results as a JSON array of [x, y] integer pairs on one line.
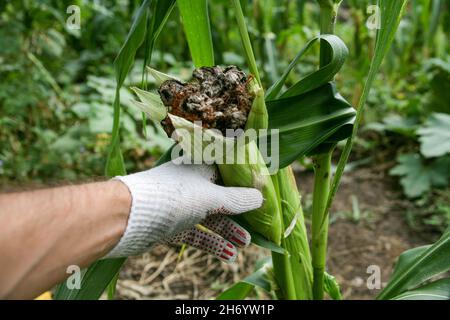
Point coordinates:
[[216, 96]]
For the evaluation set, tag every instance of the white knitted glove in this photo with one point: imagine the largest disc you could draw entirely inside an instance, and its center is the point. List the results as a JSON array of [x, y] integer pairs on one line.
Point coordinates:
[[170, 200]]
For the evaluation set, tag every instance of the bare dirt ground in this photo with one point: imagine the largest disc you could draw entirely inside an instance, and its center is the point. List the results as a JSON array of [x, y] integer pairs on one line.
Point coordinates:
[[368, 229]]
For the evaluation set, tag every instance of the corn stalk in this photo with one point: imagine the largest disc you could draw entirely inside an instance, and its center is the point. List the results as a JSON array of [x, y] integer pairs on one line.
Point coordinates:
[[311, 117], [322, 168]]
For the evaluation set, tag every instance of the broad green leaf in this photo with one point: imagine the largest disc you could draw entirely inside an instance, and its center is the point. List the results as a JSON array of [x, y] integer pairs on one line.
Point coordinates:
[[307, 120], [194, 14], [112, 286], [242, 289], [407, 258], [417, 177], [115, 164], [391, 13], [258, 116], [417, 266], [437, 290], [435, 136]]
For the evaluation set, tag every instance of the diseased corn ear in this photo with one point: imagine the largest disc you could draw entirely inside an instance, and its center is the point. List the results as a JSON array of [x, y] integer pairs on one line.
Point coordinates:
[[159, 76], [199, 144], [150, 104], [244, 168]]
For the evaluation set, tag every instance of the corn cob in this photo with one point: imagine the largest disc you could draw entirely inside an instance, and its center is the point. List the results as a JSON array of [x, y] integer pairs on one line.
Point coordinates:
[[222, 99]]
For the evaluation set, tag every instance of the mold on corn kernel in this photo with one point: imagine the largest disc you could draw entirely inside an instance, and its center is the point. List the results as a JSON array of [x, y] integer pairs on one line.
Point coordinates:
[[216, 96]]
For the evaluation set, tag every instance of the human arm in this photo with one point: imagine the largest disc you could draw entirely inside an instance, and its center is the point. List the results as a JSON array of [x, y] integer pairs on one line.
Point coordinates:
[[43, 232]]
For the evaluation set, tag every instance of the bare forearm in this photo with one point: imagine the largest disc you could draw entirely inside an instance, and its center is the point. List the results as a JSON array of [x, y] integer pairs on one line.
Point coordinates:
[[45, 231]]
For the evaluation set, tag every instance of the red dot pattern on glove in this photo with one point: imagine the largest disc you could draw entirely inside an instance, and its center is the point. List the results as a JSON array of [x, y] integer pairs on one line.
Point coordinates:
[[208, 242], [228, 229]]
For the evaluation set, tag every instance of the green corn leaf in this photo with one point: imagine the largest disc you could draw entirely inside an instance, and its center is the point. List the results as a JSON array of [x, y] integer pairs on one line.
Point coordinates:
[[407, 258], [437, 290], [391, 13], [274, 91], [310, 115], [94, 281], [194, 14], [238, 291], [122, 65], [418, 265], [339, 53], [101, 273], [155, 25], [308, 120], [246, 41], [125, 59], [242, 289]]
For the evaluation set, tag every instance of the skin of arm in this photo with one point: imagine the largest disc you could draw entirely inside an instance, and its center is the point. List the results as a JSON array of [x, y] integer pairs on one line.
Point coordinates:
[[45, 231]]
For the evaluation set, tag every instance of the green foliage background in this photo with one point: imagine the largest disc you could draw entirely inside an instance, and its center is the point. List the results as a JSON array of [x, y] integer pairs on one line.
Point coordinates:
[[57, 85]]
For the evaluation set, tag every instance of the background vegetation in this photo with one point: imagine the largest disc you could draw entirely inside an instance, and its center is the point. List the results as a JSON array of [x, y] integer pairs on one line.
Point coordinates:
[[57, 87]]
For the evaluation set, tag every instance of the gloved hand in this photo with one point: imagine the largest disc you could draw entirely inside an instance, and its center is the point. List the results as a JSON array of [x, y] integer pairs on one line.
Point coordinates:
[[170, 200]]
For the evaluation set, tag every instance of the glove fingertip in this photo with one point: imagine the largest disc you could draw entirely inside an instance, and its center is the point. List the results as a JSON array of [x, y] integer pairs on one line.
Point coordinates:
[[240, 200], [228, 254]]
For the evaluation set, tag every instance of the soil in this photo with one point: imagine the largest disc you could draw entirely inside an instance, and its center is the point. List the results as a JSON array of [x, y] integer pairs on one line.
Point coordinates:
[[368, 228]]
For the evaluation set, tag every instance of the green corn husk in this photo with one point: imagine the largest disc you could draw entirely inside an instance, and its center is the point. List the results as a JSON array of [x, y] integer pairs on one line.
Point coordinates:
[[265, 220], [258, 117], [296, 240], [250, 171]]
